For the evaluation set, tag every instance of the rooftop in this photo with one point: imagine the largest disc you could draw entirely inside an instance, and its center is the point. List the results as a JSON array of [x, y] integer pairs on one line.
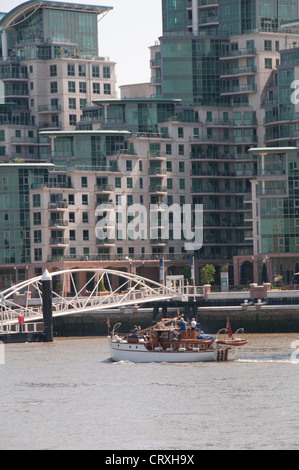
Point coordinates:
[[259, 150], [27, 165], [86, 132], [24, 10]]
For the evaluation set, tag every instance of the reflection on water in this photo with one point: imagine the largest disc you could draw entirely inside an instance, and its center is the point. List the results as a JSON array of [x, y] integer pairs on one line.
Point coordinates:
[[69, 395]]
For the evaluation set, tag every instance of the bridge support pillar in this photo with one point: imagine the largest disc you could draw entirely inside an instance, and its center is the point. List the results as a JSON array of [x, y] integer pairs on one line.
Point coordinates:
[[47, 306]]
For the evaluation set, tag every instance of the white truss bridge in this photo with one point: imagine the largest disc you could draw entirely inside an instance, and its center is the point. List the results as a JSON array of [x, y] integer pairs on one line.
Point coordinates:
[[104, 289]]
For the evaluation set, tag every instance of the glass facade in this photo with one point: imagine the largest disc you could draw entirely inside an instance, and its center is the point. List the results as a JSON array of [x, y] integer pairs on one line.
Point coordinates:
[[245, 16], [73, 31], [79, 28], [15, 183], [134, 115], [86, 150], [279, 204]]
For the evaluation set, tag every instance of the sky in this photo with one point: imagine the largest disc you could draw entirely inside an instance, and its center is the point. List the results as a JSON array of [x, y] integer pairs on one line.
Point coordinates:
[[125, 34]]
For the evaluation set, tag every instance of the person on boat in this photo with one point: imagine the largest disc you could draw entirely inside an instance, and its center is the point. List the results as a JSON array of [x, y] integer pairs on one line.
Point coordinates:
[[182, 325], [134, 332], [193, 324]]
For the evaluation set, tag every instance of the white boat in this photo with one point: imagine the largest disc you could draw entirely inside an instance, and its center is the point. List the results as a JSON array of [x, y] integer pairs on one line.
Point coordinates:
[[167, 343]]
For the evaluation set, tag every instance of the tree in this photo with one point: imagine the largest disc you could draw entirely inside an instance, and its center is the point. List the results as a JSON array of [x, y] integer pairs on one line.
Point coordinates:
[[207, 274]]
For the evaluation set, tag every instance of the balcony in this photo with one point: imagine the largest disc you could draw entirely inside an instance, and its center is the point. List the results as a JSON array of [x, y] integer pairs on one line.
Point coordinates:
[[103, 188], [158, 242], [237, 90], [59, 223], [238, 71], [156, 155], [106, 242], [232, 122], [16, 92], [50, 125], [156, 172], [13, 75], [240, 52], [59, 242], [158, 189], [49, 108], [58, 206]]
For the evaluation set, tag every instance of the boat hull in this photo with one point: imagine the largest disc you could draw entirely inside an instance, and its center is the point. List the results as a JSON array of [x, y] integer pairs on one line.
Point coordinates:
[[139, 353]]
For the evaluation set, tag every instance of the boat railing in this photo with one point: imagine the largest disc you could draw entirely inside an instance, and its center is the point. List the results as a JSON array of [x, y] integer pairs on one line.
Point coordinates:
[[239, 332], [222, 331], [115, 329]]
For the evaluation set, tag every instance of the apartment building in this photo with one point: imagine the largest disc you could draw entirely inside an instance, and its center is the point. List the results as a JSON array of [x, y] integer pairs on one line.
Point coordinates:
[[186, 145], [234, 65], [50, 68]]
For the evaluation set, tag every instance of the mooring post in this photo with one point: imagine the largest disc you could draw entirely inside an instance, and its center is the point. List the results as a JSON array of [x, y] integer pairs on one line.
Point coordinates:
[[47, 306]]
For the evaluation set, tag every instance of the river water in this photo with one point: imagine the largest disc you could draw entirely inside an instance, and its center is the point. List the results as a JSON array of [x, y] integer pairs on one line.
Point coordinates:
[[69, 395]]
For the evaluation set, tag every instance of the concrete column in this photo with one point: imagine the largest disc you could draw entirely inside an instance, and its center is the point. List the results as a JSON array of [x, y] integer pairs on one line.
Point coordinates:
[[47, 306], [4, 45], [195, 17]]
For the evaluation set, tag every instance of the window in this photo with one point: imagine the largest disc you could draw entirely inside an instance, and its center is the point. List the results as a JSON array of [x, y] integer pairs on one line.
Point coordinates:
[[71, 70], [182, 183], [37, 254], [118, 182], [73, 119], [169, 183], [37, 218], [268, 63], [53, 70], [107, 89], [168, 149], [106, 72], [180, 132], [168, 166], [72, 87], [82, 70], [85, 235], [84, 199], [96, 88], [85, 217], [181, 167], [36, 200], [129, 165], [95, 71], [72, 217], [267, 45], [129, 183], [84, 182], [181, 149], [72, 103], [83, 102], [53, 87], [71, 199], [73, 235], [82, 87], [37, 236]]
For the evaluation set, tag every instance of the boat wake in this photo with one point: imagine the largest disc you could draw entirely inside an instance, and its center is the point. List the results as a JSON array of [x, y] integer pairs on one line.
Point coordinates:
[[286, 360]]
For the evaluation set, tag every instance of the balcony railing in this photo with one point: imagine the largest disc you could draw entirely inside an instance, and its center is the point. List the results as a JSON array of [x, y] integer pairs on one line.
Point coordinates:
[[58, 223], [239, 52], [49, 108], [59, 241], [58, 205]]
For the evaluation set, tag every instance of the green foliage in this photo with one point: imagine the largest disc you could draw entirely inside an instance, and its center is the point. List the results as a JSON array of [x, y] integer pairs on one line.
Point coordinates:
[[207, 274]]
